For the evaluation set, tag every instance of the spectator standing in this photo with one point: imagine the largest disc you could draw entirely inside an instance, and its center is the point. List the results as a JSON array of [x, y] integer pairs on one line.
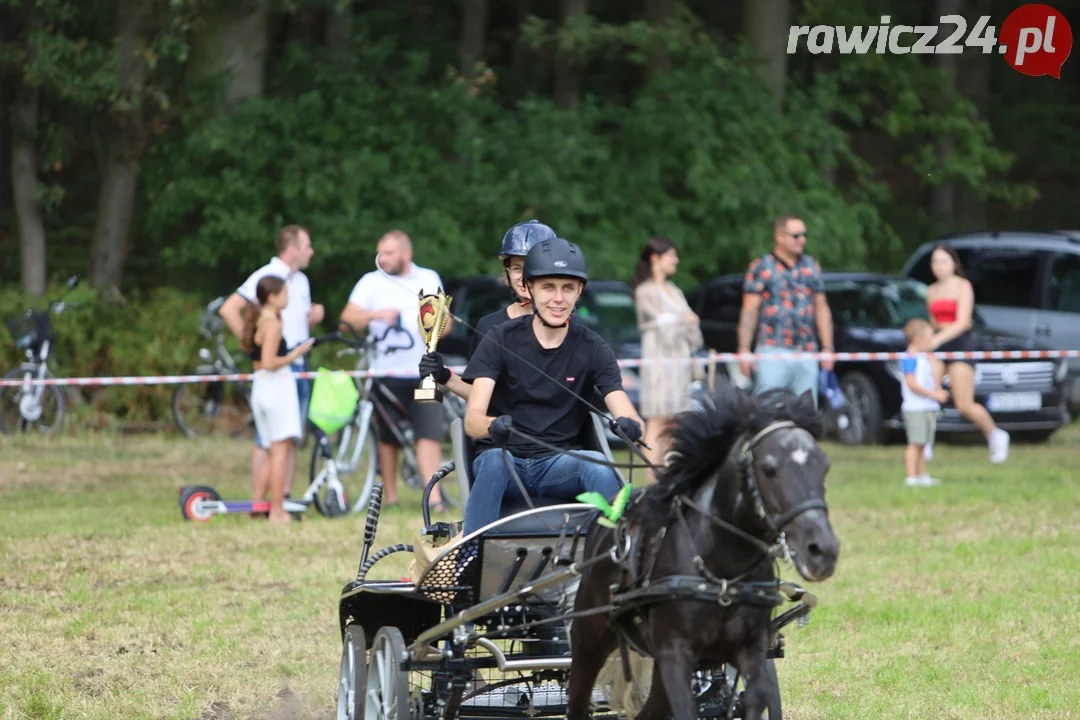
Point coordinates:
[[376, 303], [950, 300], [670, 335], [294, 253], [275, 400], [922, 400], [784, 305]]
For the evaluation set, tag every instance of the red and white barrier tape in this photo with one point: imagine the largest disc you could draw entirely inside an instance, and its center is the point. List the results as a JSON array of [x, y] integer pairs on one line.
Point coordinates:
[[717, 358]]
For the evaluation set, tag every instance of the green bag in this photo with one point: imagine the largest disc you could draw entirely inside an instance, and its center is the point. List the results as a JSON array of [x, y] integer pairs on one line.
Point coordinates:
[[333, 400]]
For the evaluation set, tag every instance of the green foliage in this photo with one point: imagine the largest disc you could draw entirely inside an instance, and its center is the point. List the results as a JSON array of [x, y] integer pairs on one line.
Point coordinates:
[[378, 143], [151, 334]]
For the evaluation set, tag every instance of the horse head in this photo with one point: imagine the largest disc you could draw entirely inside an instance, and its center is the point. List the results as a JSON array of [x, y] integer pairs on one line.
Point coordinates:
[[757, 461], [784, 470]]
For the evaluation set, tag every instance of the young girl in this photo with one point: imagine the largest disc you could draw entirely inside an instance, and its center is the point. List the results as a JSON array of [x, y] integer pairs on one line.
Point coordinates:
[[274, 400]]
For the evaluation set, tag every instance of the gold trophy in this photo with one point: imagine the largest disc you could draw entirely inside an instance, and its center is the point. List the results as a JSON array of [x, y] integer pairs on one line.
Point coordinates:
[[434, 312]]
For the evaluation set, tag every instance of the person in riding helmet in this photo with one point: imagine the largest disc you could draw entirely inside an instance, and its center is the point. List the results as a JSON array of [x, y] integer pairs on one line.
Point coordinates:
[[520, 374], [515, 245]]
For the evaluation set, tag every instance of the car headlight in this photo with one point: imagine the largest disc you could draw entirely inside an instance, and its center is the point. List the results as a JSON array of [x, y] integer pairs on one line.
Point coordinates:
[[1062, 371]]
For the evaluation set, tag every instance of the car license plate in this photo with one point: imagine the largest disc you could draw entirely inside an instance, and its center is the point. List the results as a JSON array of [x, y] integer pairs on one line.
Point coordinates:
[[1014, 402]]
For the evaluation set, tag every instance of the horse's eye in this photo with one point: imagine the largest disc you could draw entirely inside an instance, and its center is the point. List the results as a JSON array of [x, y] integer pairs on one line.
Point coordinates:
[[770, 466]]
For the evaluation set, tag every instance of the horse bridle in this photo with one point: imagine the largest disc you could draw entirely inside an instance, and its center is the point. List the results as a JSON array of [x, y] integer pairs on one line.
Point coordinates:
[[776, 525], [746, 460]]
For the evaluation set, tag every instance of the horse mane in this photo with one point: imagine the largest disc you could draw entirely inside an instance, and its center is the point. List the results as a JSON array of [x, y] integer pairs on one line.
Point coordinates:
[[702, 439]]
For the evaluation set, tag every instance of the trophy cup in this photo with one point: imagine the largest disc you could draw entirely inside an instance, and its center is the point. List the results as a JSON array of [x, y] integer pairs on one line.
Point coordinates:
[[434, 311]]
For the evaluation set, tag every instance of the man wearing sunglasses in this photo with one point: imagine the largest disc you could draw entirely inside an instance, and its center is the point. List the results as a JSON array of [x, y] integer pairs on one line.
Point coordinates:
[[784, 305]]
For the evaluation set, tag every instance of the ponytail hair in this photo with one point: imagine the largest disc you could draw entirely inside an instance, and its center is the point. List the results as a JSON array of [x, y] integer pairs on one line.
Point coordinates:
[[269, 285], [657, 245]]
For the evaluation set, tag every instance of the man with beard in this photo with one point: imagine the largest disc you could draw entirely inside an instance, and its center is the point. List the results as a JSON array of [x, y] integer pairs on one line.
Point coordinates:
[[376, 303]]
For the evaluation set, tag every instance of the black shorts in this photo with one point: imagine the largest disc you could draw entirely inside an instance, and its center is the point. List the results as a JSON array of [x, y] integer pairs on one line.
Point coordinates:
[[961, 343], [428, 419]]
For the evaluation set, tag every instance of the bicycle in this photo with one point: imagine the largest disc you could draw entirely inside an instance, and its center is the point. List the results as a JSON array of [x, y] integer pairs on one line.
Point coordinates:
[[358, 441], [200, 408], [33, 332]]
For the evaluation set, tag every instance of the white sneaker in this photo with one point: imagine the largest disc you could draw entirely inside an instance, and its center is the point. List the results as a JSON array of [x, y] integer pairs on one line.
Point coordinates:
[[928, 452], [928, 481], [999, 446], [915, 481]]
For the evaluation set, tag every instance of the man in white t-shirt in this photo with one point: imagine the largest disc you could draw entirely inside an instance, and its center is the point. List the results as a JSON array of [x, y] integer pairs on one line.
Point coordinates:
[[378, 302], [294, 254]]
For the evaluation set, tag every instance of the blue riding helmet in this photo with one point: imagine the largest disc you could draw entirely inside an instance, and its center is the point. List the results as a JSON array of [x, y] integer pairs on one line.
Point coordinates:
[[520, 238]]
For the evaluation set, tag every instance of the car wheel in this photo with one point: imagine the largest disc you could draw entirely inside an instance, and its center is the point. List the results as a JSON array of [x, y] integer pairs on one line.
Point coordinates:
[[866, 425]]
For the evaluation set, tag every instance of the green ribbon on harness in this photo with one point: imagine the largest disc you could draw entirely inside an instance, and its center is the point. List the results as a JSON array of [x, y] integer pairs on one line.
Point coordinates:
[[612, 512], [333, 400]]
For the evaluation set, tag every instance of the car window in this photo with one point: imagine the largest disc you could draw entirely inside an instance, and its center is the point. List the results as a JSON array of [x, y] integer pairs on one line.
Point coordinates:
[[921, 269], [1005, 277], [611, 313], [1065, 284], [876, 305], [486, 299], [723, 301]]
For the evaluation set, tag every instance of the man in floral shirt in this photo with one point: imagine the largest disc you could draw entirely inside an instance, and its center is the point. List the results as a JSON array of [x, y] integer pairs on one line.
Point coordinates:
[[784, 304]]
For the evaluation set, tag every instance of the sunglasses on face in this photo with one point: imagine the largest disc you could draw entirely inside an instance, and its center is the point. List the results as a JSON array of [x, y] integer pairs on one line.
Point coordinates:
[[798, 235]]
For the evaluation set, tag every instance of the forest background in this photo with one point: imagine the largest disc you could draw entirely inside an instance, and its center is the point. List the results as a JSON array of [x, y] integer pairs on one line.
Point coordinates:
[[154, 146]]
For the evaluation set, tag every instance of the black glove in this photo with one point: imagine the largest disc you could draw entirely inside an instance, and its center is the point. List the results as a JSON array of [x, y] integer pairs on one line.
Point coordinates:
[[629, 428], [432, 364], [499, 429]]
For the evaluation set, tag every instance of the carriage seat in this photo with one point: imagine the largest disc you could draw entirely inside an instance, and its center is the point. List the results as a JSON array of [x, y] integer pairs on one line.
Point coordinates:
[[534, 524]]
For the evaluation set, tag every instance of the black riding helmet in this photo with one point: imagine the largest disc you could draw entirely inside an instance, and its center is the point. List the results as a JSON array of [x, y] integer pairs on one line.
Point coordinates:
[[556, 258], [520, 238]]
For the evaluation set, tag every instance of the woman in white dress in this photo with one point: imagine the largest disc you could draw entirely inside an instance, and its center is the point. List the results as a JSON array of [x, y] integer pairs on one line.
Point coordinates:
[[670, 335]]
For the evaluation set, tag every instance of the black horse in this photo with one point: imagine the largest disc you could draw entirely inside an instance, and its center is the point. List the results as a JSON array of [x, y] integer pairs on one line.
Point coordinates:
[[690, 578]]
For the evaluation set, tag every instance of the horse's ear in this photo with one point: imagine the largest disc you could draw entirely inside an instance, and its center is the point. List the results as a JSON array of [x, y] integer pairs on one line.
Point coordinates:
[[806, 404], [741, 400]]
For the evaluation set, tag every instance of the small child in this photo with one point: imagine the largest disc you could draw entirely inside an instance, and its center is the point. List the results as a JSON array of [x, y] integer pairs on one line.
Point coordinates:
[[922, 400]]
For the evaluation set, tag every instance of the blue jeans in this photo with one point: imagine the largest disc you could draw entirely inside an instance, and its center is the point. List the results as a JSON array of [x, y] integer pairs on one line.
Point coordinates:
[[557, 476], [795, 375], [303, 390]]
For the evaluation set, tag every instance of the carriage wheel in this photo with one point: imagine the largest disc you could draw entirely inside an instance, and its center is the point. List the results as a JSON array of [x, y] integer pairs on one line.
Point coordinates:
[[713, 691], [353, 679], [387, 696]]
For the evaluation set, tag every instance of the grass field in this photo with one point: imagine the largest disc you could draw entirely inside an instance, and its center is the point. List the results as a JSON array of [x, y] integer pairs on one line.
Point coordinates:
[[958, 601]]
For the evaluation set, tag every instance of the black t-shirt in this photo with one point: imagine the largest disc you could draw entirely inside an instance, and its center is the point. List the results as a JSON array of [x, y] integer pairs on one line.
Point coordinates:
[[483, 325], [539, 405]]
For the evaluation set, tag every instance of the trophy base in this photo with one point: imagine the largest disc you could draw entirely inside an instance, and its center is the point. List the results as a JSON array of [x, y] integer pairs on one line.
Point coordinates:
[[427, 395]]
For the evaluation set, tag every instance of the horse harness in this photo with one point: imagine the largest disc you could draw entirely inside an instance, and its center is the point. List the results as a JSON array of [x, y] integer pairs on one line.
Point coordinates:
[[636, 554]]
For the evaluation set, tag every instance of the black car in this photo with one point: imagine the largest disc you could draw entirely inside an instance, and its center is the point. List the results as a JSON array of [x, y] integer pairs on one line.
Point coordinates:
[[869, 312]]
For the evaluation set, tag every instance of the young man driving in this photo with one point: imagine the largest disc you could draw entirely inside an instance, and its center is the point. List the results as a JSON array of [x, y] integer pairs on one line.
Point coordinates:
[[508, 392]]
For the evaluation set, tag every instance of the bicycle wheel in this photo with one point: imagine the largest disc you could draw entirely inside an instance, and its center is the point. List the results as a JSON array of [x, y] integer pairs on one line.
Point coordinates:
[[22, 408], [201, 409], [355, 474]]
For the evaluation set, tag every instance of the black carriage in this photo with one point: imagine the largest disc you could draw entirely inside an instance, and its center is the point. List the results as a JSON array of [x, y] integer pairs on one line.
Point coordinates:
[[483, 631]]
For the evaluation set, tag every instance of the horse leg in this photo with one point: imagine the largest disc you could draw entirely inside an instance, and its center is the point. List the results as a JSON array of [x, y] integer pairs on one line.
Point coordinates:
[[762, 686], [656, 706], [676, 664], [591, 642]]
